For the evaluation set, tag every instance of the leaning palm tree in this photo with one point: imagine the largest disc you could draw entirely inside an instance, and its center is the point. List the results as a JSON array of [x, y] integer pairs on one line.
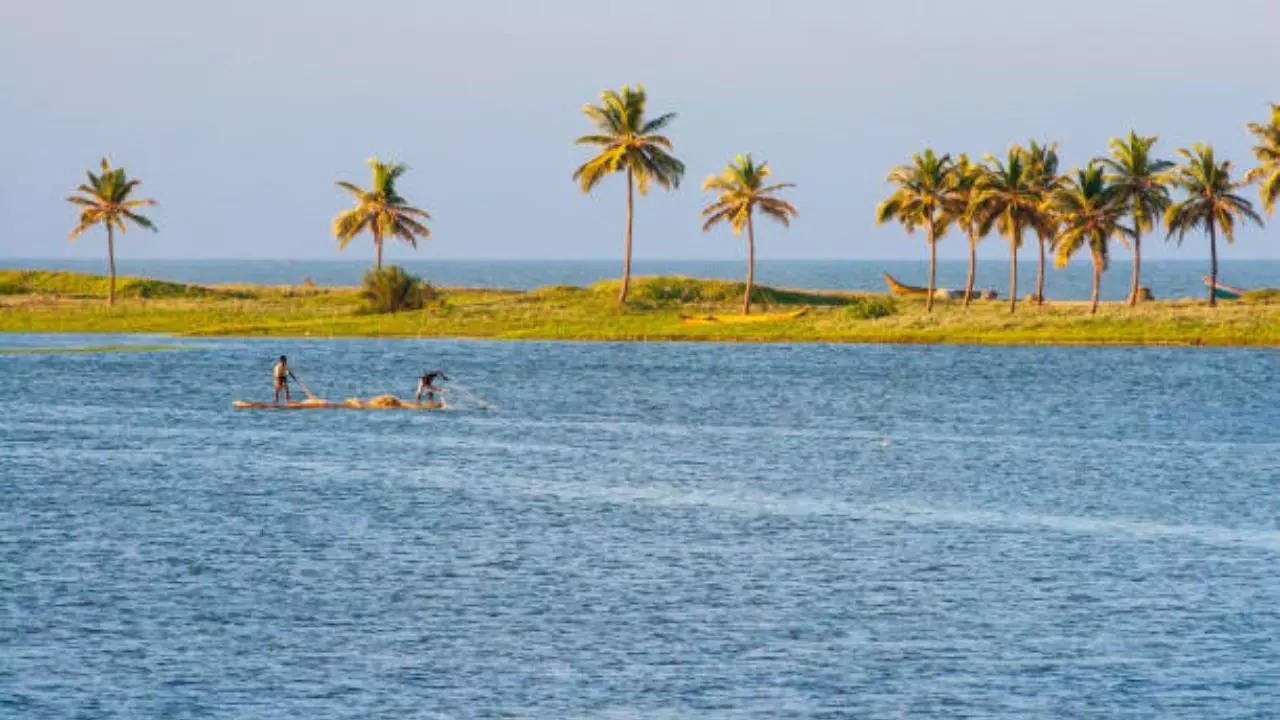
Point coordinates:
[[629, 142], [105, 199], [1268, 153], [1042, 163], [1089, 214], [741, 190], [380, 210], [1210, 203], [1140, 183], [1008, 199], [921, 199], [960, 209]]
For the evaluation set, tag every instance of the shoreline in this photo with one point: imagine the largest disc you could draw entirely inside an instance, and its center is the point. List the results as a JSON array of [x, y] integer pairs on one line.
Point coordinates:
[[661, 309]]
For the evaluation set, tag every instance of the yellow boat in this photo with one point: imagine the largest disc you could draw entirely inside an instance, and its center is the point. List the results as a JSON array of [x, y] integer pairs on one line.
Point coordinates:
[[741, 319], [381, 402], [899, 289]]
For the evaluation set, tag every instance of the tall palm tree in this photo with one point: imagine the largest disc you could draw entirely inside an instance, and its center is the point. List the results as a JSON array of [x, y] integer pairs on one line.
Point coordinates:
[[105, 199], [960, 209], [629, 142], [380, 210], [1042, 162], [1141, 185], [1210, 203], [1268, 153], [741, 190], [1008, 198], [920, 200], [1089, 215]]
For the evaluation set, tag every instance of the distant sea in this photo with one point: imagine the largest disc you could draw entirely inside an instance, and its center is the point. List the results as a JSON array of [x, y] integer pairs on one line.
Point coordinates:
[[1166, 278]]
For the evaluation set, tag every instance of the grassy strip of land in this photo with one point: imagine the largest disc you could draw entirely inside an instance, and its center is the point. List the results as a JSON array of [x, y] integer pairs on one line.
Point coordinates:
[[662, 308]]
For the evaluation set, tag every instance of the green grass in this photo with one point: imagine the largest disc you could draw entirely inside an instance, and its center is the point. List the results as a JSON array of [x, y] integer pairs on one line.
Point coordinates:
[[71, 284], [66, 302]]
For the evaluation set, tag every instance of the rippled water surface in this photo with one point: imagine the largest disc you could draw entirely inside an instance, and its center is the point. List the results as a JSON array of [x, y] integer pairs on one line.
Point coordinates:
[[640, 530]]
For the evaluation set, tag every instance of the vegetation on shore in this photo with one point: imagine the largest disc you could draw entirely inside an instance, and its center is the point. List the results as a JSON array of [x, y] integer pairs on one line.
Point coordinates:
[[629, 142], [661, 308], [1026, 192], [741, 191], [105, 200], [381, 211]]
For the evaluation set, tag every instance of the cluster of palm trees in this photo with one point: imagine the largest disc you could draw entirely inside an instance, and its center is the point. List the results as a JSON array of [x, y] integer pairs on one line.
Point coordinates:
[[1022, 192], [1085, 209], [630, 143]]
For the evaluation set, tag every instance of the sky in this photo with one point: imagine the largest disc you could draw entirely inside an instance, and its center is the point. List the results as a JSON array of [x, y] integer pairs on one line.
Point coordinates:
[[238, 116]]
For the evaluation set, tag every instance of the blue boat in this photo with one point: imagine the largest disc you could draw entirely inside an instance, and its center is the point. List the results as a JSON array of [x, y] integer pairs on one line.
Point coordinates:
[[1223, 291]]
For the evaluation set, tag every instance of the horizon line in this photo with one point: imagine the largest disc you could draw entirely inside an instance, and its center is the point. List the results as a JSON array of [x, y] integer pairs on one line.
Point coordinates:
[[1032, 260]]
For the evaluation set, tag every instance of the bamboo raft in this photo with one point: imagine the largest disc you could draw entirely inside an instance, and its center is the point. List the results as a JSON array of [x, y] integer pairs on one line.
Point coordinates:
[[381, 402]]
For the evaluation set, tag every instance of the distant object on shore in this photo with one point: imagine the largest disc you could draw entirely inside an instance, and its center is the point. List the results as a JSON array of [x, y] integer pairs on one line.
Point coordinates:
[[1222, 291], [898, 288]]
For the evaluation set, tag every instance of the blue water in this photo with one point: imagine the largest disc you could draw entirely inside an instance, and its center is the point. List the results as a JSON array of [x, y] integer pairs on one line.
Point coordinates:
[[641, 530], [1167, 278]]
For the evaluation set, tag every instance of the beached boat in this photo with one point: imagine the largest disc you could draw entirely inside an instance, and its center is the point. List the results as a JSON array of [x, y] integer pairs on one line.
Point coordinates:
[[382, 402], [741, 319], [1222, 290], [898, 288]]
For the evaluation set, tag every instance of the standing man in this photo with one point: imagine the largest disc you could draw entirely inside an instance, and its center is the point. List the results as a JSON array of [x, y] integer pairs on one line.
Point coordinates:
[[281, 372], [424, 385]]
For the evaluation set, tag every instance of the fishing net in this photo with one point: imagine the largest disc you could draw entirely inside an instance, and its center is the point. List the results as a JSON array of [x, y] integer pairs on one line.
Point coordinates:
[[457, 395]]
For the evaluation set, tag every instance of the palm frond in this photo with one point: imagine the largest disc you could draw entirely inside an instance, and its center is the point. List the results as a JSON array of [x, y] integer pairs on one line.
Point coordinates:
[[657, 124], [717, 217], [351, 188], [139, 220]]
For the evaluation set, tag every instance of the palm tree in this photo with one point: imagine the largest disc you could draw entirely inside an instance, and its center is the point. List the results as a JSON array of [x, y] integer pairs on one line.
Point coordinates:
[[1268, 153], [1042, 162], [921, 199], [1008, 198], [105, 199], [1089, 214], [960, 208], [1210, 203], [1139, 183], [741, 190], [628, 142], [380, 210]]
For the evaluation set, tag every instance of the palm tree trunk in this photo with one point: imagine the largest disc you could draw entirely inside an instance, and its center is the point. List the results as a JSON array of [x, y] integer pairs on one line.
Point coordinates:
[[751, 265], [1040, 273], [626, 262], [968, 283], [933, 258], [1213, 267], [1097, 277], [111, 265], [377, 243], [1013, 275], [1137, 263]]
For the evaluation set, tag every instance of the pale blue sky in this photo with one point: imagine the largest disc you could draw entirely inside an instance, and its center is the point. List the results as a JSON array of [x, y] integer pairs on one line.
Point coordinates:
[[239, 115]]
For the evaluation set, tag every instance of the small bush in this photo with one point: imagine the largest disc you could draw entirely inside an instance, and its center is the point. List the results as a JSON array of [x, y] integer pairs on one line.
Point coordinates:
[[675, 289], [870, 308], [392, 289]]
